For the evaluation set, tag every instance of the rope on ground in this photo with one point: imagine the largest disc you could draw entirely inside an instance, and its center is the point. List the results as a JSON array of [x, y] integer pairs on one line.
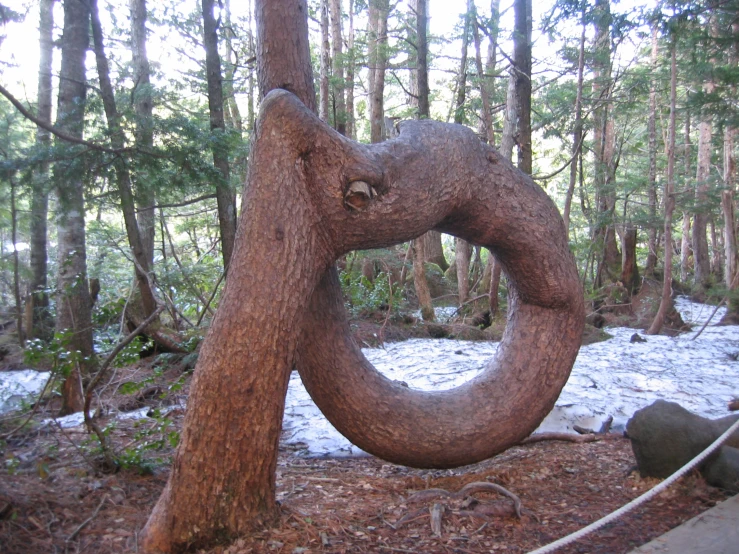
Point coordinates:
[[551, 547]]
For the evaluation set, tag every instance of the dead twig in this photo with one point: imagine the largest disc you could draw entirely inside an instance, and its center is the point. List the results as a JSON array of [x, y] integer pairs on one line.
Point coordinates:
[[87, 521]]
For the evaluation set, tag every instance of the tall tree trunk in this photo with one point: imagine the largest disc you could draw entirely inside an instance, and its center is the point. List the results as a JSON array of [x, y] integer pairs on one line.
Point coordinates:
[[609, 264], [701, 260], [323, 77], [422, 56], [629, 269], [350, 69], [462, 249], [463, 253], [507, 142], [123, 177], [250, 114], [73, 300], [652, 191], [459, 101], [224, 195], [378, 15], [427, 247], [144, 108], [337, 51], [40, 320], [686, 243], [16, 264], [484, 79], [728, 204], [665, 305], [420, 283], [577, 133], [701, 255], [522, 66]]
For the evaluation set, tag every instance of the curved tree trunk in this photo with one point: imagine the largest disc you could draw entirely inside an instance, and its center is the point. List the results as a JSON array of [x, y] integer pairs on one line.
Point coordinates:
[[313, 195], [433, 176]]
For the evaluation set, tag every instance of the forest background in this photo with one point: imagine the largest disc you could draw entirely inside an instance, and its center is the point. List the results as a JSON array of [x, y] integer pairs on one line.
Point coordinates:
[[124, 146]]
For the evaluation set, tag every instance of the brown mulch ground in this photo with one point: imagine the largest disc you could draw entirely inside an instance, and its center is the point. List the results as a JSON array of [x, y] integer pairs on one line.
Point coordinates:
[[52, 500]]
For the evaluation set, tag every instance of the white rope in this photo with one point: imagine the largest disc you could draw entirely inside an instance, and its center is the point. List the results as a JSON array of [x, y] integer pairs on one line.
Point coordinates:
[[551, 547]]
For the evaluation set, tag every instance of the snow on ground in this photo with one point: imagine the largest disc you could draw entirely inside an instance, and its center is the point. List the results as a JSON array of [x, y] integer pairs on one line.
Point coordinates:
[[611, 378]]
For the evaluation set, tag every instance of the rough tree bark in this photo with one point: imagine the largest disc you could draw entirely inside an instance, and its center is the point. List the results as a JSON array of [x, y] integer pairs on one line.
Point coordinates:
[[283, 302], [73, 295], [40, 319], [225, 197]]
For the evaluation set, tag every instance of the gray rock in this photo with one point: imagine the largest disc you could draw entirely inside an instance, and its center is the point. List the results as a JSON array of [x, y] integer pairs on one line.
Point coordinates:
[[723, 471], [665, 436]]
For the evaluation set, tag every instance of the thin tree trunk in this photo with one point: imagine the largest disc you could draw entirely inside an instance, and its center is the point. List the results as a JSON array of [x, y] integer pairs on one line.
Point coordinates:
[[323, 78], [522, 65], [577, 134], [609, 264], [461, 96], [484, 80], [40, 320], [350, 69], [144, 108], [427, 247], [123, 178], [463, 253], [16, 274], [224, 195], [629, 269], [686, 243], [652, 191], [420, 283], [665, 305], [337, 50], [73, 300], [422, 55], [378, 65], [728, 204], [701, 255]]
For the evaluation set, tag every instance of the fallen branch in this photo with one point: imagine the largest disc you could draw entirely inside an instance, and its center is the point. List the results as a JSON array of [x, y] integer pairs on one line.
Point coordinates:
[[91, 425], [567, 437]]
